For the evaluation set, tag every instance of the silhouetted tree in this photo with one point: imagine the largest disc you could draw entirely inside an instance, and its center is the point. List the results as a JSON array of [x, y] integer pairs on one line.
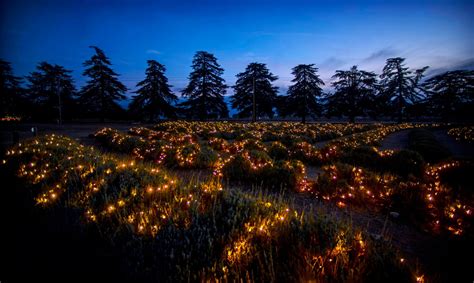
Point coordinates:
[[51, 89], [100, 93], [206, 89], [154, 94], [354, 91], [451, 94], [11, 94], [302, 99], [258, 78], [400, 86]]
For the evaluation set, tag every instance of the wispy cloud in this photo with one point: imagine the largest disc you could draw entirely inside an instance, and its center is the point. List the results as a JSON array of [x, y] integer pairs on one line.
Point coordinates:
[[381, 54], [153, 51], [332, 63], [467, 64]]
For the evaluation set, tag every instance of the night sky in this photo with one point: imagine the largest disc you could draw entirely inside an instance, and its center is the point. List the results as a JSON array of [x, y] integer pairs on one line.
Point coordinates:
[[279, 33]]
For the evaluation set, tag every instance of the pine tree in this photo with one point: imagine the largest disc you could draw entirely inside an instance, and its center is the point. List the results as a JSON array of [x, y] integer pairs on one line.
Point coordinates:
[[154, 94], [51, 89], [11, 94], [100, 93], [400, 86], [302, 99], [258, 78], [206, 89], [451, 94], [354, 91]]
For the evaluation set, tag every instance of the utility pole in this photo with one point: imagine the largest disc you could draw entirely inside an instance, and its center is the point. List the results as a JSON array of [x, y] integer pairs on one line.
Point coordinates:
[[254, 114]]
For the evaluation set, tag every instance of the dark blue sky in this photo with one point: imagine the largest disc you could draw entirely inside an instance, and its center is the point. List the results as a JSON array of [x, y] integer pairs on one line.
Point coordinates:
[[331, 34]]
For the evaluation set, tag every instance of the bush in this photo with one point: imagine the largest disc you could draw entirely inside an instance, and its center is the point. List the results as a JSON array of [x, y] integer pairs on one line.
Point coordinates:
[[277, 151], [282, 175], [409, 201], [206, 158], [405, 163], [362, 156], [238, 169], [424, 142]]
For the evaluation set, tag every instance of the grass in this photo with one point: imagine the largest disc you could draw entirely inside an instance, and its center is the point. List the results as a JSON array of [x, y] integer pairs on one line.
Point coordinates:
[[170, 225], [180, 231]]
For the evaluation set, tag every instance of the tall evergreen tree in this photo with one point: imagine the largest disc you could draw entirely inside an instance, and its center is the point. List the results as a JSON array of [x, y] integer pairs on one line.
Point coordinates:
[[258, 78], [206, 89], [11, 93], [303, 95], [101, 91], [51, 88], [451, 94], [154, 94], [400, 86], [354, 91]]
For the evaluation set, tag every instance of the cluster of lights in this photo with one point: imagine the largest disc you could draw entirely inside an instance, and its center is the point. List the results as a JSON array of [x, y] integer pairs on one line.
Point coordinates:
[[359, 187], [10, 119], [463, 133], [454, 213]]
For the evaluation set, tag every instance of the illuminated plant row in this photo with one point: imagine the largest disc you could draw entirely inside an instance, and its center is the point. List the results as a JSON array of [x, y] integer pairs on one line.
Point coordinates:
[[196, 231], [249, 159], [271, 131], [10, 119], [462, 133], [277, 166], [424, 200]]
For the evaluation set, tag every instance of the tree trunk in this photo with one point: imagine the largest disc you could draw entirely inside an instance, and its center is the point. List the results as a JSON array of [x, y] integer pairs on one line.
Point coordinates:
[[400, 110]]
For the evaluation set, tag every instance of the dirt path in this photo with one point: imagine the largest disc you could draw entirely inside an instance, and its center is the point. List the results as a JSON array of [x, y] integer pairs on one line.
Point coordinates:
[[459, 149], [396, 141]]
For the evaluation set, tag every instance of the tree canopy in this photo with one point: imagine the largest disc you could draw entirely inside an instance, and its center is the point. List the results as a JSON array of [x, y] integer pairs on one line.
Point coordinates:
[[11, 93], [451, 94], [258, 78], [206, 89], [103, 89], [154, 97], [354, 91], [51, 89], [303, 95], [400, 86]]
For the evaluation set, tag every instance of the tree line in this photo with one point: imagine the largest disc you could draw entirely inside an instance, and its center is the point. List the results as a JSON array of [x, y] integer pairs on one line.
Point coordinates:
[[399, 92]]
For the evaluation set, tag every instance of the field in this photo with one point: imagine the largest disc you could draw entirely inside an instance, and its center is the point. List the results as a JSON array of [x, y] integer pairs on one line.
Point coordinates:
[[270, 201]]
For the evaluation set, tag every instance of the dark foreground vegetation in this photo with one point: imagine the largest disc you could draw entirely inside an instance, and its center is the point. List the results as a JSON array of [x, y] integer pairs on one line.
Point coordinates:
[[194, 201]]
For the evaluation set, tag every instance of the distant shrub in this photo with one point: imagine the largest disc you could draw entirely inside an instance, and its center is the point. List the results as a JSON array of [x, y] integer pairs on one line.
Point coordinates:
[[405, 163], [282, 174], [409, 201], [362, 156], [260, 170], [253, 144], [278, 151], [238, 169], [206, 157], [424, 142]]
